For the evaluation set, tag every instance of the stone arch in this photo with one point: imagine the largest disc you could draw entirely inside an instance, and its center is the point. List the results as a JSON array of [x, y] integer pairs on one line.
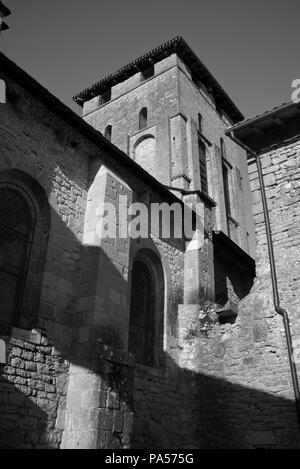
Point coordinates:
[[145, 151], [26, 168], [147, 252], [28, 290]]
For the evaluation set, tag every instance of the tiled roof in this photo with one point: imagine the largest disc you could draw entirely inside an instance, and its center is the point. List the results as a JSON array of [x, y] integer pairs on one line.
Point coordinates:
[[270, 130], [180, 47]]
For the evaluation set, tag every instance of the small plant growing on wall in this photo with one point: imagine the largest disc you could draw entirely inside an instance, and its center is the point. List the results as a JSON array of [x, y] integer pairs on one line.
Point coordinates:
[[203, 322]]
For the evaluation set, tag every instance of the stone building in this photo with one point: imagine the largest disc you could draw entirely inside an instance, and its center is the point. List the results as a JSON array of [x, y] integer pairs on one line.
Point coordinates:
[[273, 138], [147, 341], [169, 114]]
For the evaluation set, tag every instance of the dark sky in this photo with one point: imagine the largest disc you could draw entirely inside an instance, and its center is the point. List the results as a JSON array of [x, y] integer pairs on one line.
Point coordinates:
[[252, 47]]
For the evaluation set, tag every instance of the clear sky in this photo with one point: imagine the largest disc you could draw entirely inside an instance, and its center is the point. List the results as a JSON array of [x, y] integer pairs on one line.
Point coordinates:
[[252, 47]]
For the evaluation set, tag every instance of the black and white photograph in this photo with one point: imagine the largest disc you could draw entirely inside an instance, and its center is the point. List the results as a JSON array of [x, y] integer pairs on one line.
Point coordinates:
[[149, 227]]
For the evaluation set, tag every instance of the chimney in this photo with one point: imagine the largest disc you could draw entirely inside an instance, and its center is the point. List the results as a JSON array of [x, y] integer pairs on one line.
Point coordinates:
[[4, 11]]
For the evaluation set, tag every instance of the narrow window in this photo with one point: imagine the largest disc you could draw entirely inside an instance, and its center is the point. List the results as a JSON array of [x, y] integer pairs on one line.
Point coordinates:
[[225, 170], [142, 332], [105, 97], [16, 227], [108, 132], [143, 118], [222, 145], [200, 123], [203, 166], [226, 177], [147, 73]]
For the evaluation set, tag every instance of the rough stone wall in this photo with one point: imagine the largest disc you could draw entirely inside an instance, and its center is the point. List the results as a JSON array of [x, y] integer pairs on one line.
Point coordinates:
[[234, 384], [99, 402], [36, 151], [173, 102], [38, 378], [33, 386], [218, 385], [281, 169], [159, 95], [191, 102], [238, 377], [37, 145]]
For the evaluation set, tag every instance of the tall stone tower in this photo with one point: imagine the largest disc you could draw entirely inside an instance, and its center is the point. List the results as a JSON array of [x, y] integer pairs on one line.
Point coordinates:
[[169, 114]]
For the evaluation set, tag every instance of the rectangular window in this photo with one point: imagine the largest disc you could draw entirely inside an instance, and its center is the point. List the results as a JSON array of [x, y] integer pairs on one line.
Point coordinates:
[[200, 120], [203, 166], [225, 171], [147, 73], [226, 168], [105, 97]]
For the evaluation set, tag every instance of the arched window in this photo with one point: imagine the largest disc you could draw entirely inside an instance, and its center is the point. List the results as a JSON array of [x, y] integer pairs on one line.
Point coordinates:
[[17, 222], [147, 308], [108, 132], [143, 118], [141, 333]]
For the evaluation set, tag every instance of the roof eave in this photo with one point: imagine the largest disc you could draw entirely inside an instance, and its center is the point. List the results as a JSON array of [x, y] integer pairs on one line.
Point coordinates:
[[252, 122], [175, 45], [221, 240], [268, 131]]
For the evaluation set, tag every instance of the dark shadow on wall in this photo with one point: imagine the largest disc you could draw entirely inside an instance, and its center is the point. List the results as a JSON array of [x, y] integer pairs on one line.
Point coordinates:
[[204, 412], [233, 277], [22, 423], [176, 409], [33, 381]]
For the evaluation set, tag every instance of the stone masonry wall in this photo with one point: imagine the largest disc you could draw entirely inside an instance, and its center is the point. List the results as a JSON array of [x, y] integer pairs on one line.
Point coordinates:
[[281, 169], [191, 102], [33, 386], [99, 402], [235, 388], [37, 381], [159, 95], [173, 102], [37, 153]]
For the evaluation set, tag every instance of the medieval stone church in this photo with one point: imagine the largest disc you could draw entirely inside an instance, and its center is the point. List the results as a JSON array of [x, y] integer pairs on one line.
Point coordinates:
[[149, 341]]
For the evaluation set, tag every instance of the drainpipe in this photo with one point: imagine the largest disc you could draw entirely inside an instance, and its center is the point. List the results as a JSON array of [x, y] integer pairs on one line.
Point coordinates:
[[276, 298]]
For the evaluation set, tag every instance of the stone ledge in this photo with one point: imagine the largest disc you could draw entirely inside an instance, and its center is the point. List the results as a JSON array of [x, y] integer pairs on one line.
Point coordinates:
[[33, 337]]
